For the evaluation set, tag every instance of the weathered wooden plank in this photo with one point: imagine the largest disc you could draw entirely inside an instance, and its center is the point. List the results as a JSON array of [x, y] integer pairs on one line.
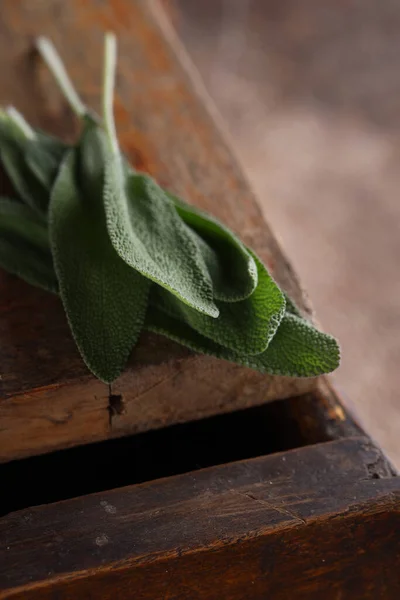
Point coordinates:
[[48, 400], [260, 430], [317, 522]]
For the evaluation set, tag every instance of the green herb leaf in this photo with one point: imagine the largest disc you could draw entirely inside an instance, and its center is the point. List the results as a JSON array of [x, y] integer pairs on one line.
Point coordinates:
[[246, 327], [26, 185], [231, 265], [24, 245], [43, 156], [22, 221], [25, 260], [113, 231], [148, 234], [105, 300], [296, 350], [30, 157]]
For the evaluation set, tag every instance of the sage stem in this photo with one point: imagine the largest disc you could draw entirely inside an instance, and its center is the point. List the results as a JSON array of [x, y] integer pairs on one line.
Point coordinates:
[[56, 66], [110, 61]]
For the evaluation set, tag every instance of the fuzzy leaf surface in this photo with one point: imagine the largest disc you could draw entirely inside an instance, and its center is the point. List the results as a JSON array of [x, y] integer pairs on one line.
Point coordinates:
[[296, 350], [149, 235], [245, 327], [29, 189], [23, 222], [24, 245], [105, 300], [231, 266], [43, 157]]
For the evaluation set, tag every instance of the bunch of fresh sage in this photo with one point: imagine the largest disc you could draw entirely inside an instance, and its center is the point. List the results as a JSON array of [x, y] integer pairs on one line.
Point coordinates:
[[125, 255]]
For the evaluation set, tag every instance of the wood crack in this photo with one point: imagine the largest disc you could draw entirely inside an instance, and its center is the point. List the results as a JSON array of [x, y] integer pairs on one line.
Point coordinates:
[[271, 506], [117, 405]]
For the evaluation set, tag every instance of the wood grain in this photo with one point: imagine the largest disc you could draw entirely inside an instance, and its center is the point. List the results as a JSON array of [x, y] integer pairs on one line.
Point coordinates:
[[317, 522], [244, 434], [166, 127]]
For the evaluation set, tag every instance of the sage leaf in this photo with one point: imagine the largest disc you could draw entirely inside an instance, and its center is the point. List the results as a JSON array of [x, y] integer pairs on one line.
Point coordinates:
[[236, 273], [148, 234], [29, 263], [31, 164], [93, 155], [104, 299], [231, 266], [24, 245], [23, 222], [87, 226], [296, 350], [28, 188], [246, 327], [43, 156]]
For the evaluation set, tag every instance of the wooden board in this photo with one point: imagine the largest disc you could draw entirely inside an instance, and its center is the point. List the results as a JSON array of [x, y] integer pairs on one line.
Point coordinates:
[[48, 399], [316, 522], [244, 434]]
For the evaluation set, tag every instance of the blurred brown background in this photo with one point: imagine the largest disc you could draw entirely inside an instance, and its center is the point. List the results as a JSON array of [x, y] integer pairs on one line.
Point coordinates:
[[310, 91]]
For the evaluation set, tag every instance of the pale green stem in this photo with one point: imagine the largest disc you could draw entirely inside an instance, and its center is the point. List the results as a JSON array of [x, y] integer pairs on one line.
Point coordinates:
[[110, 62], [19, 121], [56, 66]]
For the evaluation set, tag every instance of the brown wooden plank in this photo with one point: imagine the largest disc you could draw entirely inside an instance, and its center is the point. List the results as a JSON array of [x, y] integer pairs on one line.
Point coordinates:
[[317, 522], [262, 430], [48, 400]]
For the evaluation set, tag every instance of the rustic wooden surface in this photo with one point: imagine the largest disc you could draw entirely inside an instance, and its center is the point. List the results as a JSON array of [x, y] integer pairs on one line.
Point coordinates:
[[316, 522], [48, 399], [244, 434]]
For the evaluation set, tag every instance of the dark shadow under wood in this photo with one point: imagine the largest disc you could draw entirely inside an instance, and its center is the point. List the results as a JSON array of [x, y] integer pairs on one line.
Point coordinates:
[[263, 430]]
